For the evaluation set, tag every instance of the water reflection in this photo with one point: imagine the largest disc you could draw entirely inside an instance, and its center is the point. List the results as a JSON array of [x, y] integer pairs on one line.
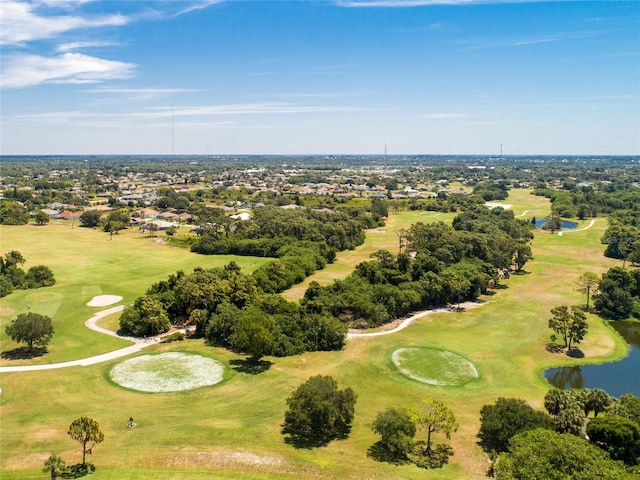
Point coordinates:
[[616, 378]]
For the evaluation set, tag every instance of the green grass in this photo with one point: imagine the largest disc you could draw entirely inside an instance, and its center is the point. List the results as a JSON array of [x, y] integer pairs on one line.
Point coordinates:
[[87, 263], [434, 367], [232, 430]]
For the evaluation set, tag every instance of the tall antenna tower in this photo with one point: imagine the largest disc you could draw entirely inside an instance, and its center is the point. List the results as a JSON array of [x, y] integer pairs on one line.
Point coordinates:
[[385, 151], [501, 150]]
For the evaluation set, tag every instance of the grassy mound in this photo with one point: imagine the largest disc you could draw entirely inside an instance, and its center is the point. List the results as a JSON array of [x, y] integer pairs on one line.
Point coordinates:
[[435, 367], [167, 372]]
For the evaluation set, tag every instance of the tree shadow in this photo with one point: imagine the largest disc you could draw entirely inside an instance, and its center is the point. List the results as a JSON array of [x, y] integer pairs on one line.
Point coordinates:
[[309, 441], [380, 453], [23, 353], [251, 366], [78, 470], [575, 353], [553, 347], [521, 272]]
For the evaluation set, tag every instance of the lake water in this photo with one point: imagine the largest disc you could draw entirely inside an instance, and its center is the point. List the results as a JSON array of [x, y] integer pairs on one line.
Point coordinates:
[[566, 224], [616, 378]]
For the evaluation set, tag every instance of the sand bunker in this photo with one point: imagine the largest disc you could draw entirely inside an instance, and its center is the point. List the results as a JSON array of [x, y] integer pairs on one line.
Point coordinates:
[[435, 367], [104, 300], [167, 372]]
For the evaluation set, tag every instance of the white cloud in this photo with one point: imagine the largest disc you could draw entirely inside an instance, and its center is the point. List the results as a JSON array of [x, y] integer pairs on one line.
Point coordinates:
[[141, 93], [199, 5], [158, 113], [67, 47], [19, 23], [27, 70]]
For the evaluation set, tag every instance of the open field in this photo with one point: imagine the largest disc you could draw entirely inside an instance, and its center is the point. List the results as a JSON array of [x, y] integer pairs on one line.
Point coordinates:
[[232, 430]]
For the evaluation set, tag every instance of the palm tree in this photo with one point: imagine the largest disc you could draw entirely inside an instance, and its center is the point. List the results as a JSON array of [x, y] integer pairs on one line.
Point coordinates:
[[55, 465]]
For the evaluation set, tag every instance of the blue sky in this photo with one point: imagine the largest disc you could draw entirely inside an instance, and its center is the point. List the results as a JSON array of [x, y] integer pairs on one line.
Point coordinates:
[[326, 77]]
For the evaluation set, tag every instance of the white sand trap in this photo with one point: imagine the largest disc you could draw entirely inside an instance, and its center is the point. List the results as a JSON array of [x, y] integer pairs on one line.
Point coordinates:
[[104, 300], [167, 372], [506, 206]]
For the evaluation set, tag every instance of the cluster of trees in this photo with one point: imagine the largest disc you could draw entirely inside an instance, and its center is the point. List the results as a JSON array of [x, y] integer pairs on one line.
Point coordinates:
[[622, 241], [619, 294], [570, 324], [397, 428], [525, 443], [437, 264], [339, 230], [12, 276], [13, 212], [229, 309], [112, 223], [301, 240]]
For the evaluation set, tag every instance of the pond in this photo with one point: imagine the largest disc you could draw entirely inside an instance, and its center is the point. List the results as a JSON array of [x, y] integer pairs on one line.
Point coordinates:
[[565, 224], [616, 378]]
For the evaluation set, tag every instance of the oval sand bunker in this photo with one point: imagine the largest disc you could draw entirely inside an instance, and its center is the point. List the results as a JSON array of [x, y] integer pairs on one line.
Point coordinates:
[[167, 372], [435, 367]]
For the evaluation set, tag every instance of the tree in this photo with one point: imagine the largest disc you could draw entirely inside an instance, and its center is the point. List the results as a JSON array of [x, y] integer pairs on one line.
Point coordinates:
[[12, 213], [571, 325], [39, 276], [396, 429], [598, 400], [11, 259], [86, 432], [116, 221], [628, 406], [318, 412], [90, 218], [42, 218], [548, 455], [253, 334], [54, 465], [434, 416], [506, 418], [587, 284], [145, 317], [618, 436], [522, 255], [31, 328]]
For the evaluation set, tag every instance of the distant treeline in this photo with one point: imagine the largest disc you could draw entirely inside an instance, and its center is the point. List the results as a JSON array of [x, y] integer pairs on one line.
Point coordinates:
[[302, 240]]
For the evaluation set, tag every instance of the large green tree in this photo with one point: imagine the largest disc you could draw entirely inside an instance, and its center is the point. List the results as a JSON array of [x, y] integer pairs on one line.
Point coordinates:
[[548, 455], [506, 418], [396, 429], [319, 412], [31, 328], [618, 436], [42, 218], [570, 324], [145, 317], [86, 431]]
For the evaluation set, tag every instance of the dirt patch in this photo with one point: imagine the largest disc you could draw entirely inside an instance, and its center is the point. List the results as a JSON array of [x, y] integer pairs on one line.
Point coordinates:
[[104, 300], [20, 462]]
